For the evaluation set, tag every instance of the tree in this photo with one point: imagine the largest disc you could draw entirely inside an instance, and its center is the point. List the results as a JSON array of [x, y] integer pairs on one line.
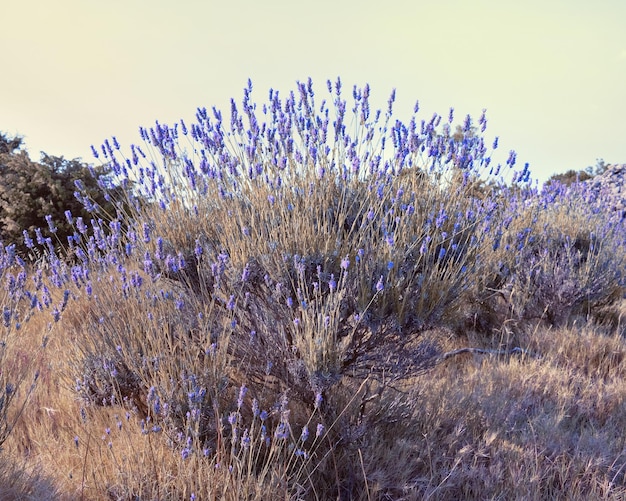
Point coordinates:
[[572, 176], [569, 177], [31, 191]]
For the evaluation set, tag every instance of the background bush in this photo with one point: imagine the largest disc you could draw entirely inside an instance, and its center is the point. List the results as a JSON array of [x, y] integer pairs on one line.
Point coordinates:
[[31, 191]]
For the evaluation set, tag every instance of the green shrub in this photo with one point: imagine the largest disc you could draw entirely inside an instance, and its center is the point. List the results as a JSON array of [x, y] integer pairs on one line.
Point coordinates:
[[41, 195]]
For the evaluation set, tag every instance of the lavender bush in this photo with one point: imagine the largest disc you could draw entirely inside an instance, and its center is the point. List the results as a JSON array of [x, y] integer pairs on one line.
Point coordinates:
[[15, 370], [268, 281]]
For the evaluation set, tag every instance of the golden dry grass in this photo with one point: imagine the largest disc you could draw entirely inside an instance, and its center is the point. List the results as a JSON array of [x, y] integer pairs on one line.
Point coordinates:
[[549, 426]]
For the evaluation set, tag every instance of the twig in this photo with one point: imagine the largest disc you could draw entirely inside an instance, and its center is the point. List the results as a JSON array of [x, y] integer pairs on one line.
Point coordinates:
[[481, 351]]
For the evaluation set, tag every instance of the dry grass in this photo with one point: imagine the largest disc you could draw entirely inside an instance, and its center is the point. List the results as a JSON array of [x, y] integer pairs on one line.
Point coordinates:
[[476, 427]]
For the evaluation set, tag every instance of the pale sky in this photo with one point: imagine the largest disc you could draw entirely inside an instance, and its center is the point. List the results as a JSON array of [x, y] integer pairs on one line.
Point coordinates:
[[551, 73]]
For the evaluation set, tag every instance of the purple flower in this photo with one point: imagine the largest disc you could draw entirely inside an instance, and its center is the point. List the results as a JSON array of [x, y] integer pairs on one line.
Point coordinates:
[[345, 262], [318, 399], [151, 394], [380, 285], [245, 274], [255, 407], [332, 284], [305, 434], [39, 236], [159, 246], [319, 431], [198, 250], [146, 233], [242, 393], [80, 225], [27, 240], [231, 303], [245, 439], [282, 431]]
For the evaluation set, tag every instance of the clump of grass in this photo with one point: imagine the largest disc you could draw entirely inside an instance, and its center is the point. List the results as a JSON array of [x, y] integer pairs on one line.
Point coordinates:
[[19, 481]]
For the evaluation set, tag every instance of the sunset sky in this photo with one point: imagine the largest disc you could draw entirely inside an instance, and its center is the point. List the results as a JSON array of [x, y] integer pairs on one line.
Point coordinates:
[[551, 73]]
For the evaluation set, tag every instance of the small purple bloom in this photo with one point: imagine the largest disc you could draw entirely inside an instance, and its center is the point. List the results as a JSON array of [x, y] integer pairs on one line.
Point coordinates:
[[332, 284], [305, 434], [231, 302], [380, 285], [245, 440], [245, 274], [242, 393], [319, 431], [255, 407], [80, 225], [198, 250], [318, 399], [27, 240], [146, 233], [6, 314]]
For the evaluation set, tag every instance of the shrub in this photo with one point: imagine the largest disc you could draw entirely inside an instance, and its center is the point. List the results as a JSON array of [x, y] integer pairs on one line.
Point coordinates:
[[302, 254], [269, 287], [41, 196], [15, 370], [558, 255]]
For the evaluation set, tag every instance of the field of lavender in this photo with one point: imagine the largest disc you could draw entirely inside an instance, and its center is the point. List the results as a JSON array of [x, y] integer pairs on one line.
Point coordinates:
[[313, 300]]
